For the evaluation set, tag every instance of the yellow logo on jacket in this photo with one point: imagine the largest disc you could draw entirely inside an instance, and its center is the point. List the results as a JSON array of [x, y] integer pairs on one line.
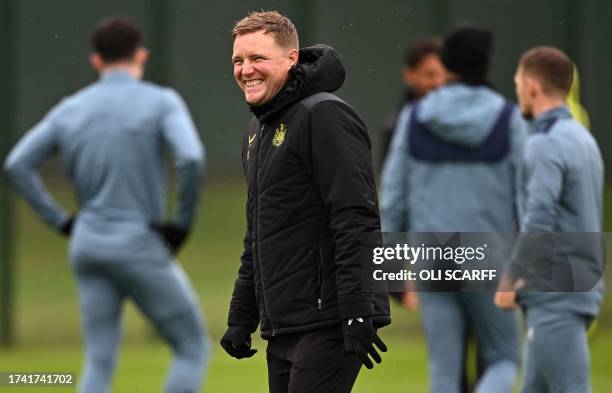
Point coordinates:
[[279, 135], [251, 140]]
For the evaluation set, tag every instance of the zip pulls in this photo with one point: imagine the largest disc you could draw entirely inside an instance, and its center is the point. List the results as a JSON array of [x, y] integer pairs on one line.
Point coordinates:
[[255, 225], [319, 279]]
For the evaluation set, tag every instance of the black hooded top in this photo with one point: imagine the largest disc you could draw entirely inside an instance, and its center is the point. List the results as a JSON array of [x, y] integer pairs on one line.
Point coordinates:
[[311, 198]]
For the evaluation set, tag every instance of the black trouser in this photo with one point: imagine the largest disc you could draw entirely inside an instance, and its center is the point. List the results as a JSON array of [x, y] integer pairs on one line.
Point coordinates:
[[311, 362]]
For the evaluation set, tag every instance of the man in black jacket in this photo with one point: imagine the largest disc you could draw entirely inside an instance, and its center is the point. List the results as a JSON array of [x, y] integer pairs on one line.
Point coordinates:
[[311, 200]]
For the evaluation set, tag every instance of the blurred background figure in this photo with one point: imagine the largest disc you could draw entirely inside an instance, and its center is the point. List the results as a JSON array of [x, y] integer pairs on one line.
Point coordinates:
[[422, 72], [454, 166], [579, 113], [111, 136], [564, 194]]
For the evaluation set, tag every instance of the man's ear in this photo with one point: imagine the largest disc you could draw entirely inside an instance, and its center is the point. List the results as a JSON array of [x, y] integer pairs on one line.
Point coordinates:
[[96, 62], [293, 57], [408, 76], [450, 76], [534, 87], [141, 56]]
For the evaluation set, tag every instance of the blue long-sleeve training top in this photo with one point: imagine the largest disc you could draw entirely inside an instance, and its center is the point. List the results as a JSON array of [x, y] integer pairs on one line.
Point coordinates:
[[112, 136], [564, 174]]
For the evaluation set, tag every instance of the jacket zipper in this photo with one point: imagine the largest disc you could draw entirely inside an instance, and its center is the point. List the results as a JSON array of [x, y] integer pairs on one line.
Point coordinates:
[[256, 199], [319, 279]]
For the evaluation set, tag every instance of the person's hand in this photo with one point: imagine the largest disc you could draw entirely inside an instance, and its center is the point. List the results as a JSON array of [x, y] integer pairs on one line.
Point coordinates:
[[506, 295], [173, 235], [359, 337], [506, 300], [237, 342], [66, 228], [410, 301]]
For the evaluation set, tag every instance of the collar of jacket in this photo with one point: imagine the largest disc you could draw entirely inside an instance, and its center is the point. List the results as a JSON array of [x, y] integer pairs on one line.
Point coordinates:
[[408, 96], [545, 121], [116, 75], [472, 83], [319, 70]]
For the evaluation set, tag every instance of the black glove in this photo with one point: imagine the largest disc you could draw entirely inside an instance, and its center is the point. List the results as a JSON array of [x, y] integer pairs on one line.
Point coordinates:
[[173, 235], [66, 228], [359, 335], [237, 342]]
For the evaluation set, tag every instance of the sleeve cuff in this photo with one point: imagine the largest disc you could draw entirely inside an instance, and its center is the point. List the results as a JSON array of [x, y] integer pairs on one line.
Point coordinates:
[[356, 305]]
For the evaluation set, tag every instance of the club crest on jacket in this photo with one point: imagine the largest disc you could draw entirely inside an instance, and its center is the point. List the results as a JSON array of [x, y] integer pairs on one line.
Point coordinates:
[[279, 135]]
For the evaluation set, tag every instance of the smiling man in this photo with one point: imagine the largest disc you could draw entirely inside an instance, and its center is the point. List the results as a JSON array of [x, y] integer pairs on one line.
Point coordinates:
[[311, 196]]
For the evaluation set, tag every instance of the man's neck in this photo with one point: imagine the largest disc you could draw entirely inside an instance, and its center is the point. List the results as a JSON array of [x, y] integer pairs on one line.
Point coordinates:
[[134, 70], [547, 103]]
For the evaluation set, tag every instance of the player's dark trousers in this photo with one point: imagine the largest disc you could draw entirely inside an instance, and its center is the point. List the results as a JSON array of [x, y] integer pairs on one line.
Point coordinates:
[[311, 362]]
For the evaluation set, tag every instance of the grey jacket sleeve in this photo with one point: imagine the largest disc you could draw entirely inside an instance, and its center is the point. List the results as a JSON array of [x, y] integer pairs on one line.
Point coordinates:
[[544, 170], [37, 145], [180, 134], [519, 129], [544, 173], [394, 200]]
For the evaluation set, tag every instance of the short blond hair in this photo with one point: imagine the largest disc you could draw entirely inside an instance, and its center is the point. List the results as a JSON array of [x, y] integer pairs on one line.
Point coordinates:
[[284, 31]]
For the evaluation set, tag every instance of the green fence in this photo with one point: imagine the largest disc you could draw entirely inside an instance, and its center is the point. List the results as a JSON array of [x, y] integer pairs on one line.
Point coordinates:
[[45, 46]]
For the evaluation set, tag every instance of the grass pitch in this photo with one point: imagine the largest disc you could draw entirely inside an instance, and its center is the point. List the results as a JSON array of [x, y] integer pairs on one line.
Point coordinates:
[[49, 336]]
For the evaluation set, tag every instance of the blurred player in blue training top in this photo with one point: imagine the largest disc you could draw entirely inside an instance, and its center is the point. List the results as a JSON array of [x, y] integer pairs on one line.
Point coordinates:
[[111, 136], [454, 166], [564, 193]]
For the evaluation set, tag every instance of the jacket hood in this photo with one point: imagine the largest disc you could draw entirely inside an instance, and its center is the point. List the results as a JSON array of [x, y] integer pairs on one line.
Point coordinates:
[[319, 69], [461, 114]]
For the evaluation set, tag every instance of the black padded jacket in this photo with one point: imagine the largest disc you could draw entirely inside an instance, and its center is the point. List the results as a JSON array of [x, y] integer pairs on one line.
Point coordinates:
[[311, 200]]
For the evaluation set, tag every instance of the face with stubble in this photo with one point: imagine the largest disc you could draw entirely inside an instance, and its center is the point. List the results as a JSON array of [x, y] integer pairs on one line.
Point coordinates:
[[261, 66]]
